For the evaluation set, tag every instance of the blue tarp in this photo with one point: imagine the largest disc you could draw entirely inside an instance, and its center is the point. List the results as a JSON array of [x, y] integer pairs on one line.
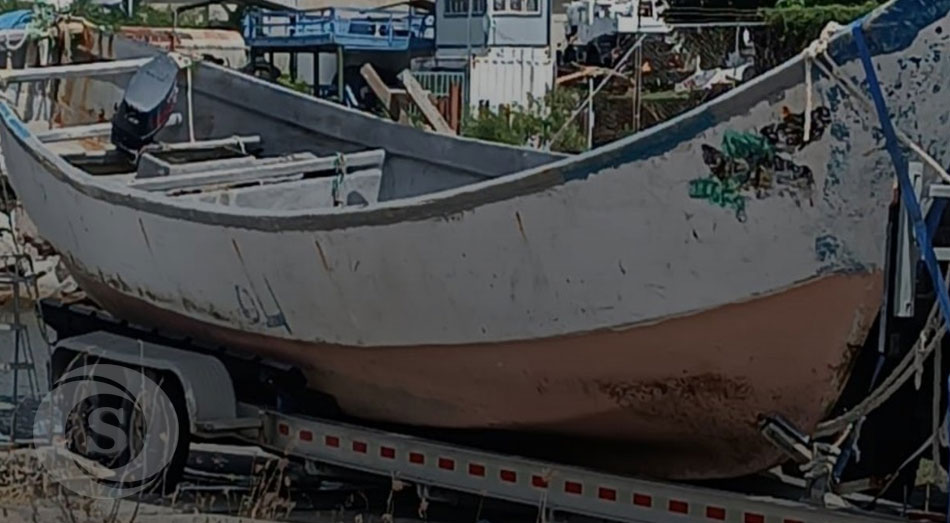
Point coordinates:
[[15, 19]]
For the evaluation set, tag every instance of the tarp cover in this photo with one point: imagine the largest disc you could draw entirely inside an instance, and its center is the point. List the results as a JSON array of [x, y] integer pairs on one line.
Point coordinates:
[[15, 19]]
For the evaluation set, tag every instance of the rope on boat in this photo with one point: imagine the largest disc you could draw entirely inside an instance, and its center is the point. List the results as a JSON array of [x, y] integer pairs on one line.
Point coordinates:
[[240, 143], [191, 108], [817, 48], [913, 361], [894, 381], [340, 165]]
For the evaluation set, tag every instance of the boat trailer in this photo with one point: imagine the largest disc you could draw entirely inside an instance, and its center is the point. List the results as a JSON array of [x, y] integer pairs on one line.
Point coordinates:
[[432, 466]]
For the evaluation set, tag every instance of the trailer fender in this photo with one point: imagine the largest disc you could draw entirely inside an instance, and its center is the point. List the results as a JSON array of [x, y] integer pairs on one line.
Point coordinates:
[[208, 389]]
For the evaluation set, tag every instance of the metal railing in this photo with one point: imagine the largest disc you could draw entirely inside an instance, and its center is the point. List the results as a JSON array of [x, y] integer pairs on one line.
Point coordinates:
[[380, 28], [439, 82]]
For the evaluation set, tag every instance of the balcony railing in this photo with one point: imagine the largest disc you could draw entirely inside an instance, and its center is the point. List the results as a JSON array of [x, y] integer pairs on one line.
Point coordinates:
[[377, 29]]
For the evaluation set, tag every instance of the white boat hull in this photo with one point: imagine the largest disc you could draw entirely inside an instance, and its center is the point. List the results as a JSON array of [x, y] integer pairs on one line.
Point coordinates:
[[619, 296]]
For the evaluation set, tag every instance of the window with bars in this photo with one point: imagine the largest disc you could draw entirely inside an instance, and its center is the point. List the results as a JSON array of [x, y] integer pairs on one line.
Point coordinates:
[[460, 7], [531, 7]]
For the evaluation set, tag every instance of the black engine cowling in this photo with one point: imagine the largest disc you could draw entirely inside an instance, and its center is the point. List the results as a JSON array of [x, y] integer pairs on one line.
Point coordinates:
[[147, 105]]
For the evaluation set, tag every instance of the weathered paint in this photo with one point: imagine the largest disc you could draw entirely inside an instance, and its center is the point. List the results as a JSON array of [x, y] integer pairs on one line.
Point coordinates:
[[678, 399], [758, 164], [464, 289]]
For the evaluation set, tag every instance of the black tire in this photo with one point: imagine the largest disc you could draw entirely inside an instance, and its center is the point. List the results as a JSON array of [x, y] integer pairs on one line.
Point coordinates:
[[79, 434]]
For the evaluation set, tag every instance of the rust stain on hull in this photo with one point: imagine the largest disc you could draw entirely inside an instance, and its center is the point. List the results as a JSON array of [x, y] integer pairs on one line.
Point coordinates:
[[678, 399]]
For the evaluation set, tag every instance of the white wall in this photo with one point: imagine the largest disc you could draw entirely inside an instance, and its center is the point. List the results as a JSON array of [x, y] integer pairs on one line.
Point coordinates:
[[508, 75]]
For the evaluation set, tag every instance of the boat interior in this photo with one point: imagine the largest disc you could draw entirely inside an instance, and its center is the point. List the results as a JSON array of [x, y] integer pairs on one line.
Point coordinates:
[[230, 171], [225, 138]]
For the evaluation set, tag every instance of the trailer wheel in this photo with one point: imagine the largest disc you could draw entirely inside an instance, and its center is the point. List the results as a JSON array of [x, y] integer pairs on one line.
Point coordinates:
[[85, 436]]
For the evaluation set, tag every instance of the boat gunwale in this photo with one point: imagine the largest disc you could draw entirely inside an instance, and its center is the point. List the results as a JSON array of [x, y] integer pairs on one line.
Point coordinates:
[[646, 144], [417, 208]]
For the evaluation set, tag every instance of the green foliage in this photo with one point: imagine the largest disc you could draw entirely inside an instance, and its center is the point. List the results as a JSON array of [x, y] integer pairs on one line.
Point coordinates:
[[296, 85], [803, 22], [533, 125], [142, 15], [793, 24], [14, 5], [111, 18], [818, 3]]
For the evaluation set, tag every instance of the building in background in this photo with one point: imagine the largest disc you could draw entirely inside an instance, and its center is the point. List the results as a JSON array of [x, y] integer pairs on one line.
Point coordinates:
[[500, 49], [324, 47]]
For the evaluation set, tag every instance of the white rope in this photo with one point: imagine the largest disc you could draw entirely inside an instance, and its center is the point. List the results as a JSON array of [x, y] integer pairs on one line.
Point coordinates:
[[191, 109], [240, 142], [809, 101], [812, 52], [929, 338]]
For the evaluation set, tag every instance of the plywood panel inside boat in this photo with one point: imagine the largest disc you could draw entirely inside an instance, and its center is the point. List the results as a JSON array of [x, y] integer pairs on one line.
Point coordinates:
[[62, 134], [262, 171], [87, 151], [245, 144], [357, 188], [151, 166]]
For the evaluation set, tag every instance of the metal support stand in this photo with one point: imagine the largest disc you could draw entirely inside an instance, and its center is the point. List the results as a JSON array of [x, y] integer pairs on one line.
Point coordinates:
[[22, 282], [340, 68], [316, 72], [815, 459]]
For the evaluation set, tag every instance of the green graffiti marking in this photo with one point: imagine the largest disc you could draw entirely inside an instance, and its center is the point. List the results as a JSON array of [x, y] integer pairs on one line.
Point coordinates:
[[724, 194], [759, 165], [751, 147]]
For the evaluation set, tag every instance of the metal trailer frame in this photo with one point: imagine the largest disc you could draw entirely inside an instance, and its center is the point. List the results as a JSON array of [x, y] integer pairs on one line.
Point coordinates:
[[551, 487]]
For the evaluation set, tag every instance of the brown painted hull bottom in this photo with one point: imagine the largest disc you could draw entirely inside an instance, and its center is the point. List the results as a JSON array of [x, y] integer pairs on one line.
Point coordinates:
[[678, 399]]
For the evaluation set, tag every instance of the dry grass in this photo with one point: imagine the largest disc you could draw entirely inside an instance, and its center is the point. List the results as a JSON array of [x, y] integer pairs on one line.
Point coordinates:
[[269, 499], [27, 495], [21, 479]]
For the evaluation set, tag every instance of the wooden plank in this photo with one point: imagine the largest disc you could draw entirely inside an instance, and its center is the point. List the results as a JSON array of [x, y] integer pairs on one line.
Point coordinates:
[[591, 71], [455, 106], [96, 130], [293, 193], [65, 134], [392, 99], [255, 173], [421, 98], [150, 166], [379, 88], [8, 76], [246, 140]]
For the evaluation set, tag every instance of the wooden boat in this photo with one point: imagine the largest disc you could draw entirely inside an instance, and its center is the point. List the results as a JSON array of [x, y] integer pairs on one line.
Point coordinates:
[[648, 300]]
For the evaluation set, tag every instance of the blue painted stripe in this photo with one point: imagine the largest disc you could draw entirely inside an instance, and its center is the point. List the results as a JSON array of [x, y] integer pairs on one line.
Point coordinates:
[[903, 177], [891, 29], [13, 121]]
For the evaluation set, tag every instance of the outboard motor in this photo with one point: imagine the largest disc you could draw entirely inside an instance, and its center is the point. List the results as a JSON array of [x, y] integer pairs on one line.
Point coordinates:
[[148, 103]]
